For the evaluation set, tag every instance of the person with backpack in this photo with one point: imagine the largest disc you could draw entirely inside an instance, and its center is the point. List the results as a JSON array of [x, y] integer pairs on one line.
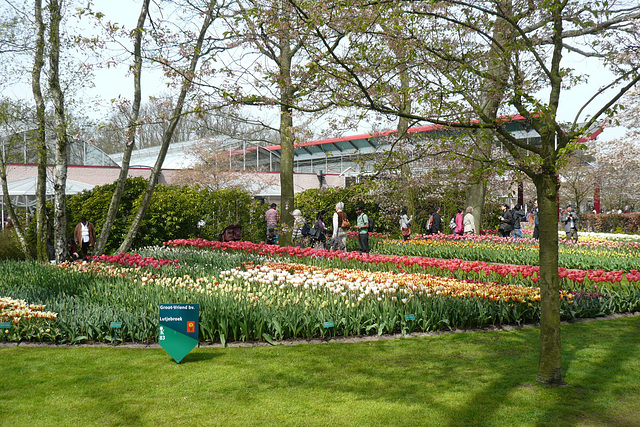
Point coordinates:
[[319, 232], [517, 214], [506, 221], [340, 224], [362, 225]]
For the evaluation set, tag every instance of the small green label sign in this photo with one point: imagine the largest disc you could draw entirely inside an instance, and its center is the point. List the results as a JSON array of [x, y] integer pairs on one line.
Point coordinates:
[[5, 325], [328, 324], [409, 317], [178, 329], [116, 325]]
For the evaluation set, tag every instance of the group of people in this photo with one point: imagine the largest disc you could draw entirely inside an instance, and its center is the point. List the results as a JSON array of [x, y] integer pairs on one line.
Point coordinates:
[[317, 235], [462, 223], [510, 220]]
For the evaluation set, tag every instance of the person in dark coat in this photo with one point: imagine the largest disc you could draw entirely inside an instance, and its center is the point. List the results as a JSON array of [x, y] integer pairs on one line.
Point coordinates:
[[436, 227], [517, 213], [570, 220], [506, 221]]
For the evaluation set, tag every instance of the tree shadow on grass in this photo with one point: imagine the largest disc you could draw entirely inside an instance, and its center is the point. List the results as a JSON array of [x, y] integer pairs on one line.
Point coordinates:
[[418, 377], [596, 372]]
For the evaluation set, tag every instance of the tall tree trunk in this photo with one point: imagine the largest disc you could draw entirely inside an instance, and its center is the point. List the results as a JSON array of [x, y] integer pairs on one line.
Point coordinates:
[[547, 186], [60, 124], [549, 365], [43, 233], [403, 126], [287, 141], [286, 174], [475, 197], [131, 133], [168, 134]]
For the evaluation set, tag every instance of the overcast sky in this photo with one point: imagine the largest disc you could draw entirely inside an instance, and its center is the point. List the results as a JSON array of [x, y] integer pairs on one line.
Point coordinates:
[[111, 83]]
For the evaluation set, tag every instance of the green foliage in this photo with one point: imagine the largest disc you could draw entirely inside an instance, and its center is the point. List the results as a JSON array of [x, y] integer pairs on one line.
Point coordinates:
[[9, 245], [94, 205], [232, 206], [174, 213]]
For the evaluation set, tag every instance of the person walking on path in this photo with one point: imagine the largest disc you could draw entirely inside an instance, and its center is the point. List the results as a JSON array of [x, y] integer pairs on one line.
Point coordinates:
[[405, 223], [459, 220], [436, 224], [338, 220], [570, 219], [362, 225], [298, 222], [320, 235], [517, 214], [84, 237], [506, 221], [272, 218], [469, 222]]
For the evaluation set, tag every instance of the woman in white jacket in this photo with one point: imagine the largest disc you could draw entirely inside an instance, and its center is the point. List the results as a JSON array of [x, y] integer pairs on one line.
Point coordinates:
[[469, 222], [338, 217], [405, 223]]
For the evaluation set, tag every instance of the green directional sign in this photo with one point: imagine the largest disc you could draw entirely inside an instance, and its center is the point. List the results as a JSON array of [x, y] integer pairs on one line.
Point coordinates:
[[178, 329]]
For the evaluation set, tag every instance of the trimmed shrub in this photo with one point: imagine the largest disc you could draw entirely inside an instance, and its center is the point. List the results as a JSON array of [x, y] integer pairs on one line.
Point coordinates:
[[628, 223]]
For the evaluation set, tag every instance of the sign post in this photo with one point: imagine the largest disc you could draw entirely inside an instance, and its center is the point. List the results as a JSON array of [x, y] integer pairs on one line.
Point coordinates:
[[328, 326], [115, 326], [409, 318], [178, 329]]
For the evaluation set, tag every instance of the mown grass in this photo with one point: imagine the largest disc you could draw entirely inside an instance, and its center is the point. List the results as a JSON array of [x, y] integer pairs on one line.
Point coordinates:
[[475, 378]]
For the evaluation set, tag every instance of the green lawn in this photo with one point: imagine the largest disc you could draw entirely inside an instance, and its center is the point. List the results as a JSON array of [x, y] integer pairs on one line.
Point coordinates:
[[475, 378]]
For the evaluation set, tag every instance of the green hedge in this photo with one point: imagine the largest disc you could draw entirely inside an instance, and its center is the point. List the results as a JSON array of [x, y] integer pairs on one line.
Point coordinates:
[[175, 212]]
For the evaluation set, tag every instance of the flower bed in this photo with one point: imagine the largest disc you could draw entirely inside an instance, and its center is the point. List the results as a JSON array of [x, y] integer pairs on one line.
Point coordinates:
[[28, 321], [571, 279], [586, 254], [252, 291]]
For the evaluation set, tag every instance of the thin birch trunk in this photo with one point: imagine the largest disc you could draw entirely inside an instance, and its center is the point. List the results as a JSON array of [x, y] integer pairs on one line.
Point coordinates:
[[60, 125], [168, 134], [42, 228], [131, 133]]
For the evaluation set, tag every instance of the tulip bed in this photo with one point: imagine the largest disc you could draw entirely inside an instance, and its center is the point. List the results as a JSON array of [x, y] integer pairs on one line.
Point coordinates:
[[250, 291], [585, 254]]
